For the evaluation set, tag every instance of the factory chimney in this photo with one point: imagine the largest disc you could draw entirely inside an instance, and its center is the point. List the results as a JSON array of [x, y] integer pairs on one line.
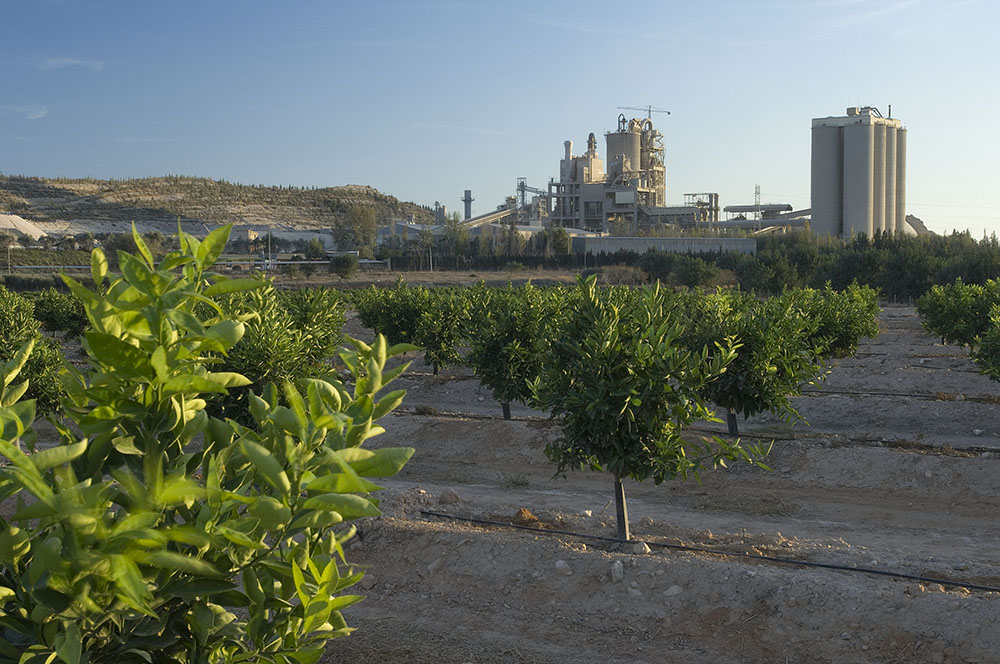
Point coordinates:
[[468, 204]]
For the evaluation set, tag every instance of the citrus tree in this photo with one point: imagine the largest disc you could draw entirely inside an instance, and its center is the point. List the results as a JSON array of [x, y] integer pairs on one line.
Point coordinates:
[[506, 345], [152, 532], [623, 387]]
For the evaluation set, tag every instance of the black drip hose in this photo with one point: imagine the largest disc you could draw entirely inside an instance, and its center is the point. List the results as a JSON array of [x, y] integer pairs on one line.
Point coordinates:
[[728, 554]]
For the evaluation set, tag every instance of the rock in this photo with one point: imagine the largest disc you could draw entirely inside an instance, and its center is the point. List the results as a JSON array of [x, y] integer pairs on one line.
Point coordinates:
[[563, 568], [635, 592], [928, 474], [435, 566], [846, 636], [786, 470], [368, 581], [587, 513], [617, 571], [978, 432], [640, 548], [449, 497], [673, 591], [646, 521]]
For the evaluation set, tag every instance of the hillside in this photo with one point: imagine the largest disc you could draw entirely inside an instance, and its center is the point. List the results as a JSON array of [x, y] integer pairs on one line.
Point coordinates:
[[72, 206]]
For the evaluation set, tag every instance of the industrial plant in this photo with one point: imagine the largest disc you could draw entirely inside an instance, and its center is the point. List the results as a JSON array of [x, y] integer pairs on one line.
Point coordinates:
[[858, 185]]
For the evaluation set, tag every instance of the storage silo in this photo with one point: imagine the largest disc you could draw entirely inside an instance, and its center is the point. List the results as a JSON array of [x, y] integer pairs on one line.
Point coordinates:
[[859, 167], [625, 145], [858, 174], [827, 177], [901, 180], [890, 178], [879, 221]]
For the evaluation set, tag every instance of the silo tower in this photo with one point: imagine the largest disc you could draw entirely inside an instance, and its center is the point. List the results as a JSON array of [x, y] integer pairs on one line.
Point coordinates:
[[858, 174]]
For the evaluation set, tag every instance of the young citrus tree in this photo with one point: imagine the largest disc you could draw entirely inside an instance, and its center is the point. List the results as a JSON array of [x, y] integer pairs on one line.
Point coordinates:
[[154, 533], [622, 388], [777, 351], [505, 344]]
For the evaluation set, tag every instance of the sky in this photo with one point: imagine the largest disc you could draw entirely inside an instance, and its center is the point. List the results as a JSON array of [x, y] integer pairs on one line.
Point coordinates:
[[425, 99]]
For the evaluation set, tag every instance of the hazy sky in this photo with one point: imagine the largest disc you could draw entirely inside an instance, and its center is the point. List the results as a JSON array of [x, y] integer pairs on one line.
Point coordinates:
[[426, 99]]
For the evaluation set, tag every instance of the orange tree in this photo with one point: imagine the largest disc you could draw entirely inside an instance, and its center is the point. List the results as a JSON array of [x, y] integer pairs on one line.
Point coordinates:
[[622, 388]]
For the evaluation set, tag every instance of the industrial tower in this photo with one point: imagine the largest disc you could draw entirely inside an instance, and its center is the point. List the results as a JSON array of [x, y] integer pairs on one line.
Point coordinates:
[[858, 174]]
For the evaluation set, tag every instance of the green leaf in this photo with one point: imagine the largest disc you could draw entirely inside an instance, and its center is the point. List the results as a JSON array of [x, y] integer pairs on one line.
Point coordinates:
[[159, 362], [348, 506], [271, 513], [236, 537], [228, 379], [126, 445], [341, 483], [177, 562], [212, 246], [69, 645], [383, 462], [57, 456], [131, 586], [113, 352], [140, 244], [388, 403], [192, 384], [98, 266], [266, 465]]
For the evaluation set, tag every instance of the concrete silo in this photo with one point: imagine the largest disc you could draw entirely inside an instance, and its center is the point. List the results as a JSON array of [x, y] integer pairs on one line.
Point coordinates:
[[858, 174]]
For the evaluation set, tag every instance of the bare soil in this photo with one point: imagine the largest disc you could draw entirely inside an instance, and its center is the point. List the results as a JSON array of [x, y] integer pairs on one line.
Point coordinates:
[[896, 473]]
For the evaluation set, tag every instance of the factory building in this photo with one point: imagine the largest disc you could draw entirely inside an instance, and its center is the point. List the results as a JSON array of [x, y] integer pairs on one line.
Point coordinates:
[[858, 174], [632, 189]]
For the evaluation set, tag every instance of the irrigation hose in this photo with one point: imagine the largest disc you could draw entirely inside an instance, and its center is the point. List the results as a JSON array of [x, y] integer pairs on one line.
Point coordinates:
[[727, 554]]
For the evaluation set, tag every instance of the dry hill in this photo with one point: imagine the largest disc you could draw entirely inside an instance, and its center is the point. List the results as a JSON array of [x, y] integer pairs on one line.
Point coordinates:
[[67, 206]]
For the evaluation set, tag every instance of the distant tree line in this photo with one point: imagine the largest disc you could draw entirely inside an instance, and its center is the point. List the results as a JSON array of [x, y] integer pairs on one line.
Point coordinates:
[[901, 267]]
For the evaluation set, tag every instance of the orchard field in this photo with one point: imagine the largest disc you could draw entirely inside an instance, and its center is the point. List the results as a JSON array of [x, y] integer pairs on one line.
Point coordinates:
[[896, 472], [207, 529]]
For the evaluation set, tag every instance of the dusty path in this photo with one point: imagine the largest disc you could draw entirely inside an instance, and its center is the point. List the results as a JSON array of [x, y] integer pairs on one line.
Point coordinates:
[[894, 483]]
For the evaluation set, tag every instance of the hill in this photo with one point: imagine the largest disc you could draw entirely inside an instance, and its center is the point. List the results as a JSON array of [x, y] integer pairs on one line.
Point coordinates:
[[69, 206]]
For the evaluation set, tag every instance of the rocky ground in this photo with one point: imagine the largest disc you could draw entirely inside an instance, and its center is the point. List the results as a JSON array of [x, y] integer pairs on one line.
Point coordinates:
[[895, 477]]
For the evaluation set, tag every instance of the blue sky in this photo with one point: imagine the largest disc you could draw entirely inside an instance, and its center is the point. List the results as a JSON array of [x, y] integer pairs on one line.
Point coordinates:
[[426, 99]]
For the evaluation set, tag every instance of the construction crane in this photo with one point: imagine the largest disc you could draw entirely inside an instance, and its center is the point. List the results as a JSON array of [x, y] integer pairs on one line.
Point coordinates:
[[649, 110]]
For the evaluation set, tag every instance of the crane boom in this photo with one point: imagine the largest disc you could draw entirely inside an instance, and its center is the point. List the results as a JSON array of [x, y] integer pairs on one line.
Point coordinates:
[[649, 110]]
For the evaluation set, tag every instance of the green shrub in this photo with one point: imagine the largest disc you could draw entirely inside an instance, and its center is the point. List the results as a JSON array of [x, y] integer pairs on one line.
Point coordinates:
[[344, 266], [18, 326], [155, 533], [59, 312]]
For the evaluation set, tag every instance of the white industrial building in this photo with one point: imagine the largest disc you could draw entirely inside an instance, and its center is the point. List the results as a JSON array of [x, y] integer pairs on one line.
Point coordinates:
[[858, 174], [630, 191]]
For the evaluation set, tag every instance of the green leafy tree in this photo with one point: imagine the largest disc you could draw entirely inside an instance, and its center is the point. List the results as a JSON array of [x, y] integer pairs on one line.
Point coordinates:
[[441, 327], [18, 326], [315, 250], [622, 388], [506, 343], [777, 351], [154, 533], [344, 266]]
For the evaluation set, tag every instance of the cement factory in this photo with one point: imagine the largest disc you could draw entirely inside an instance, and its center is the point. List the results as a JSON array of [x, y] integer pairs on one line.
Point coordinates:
[[858, 185]]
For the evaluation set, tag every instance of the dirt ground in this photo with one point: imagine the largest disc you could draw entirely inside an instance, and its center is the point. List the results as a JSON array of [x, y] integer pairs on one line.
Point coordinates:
[[896, 473]]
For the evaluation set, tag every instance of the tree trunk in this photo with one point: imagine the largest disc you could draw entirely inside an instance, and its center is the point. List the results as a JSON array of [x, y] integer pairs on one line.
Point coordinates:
[[506, 410], [734, 426], [436, 369], [621, 510]]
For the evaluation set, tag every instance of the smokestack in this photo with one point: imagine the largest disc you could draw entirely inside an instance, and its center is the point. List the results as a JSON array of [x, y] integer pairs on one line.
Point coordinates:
[[468, 204]]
